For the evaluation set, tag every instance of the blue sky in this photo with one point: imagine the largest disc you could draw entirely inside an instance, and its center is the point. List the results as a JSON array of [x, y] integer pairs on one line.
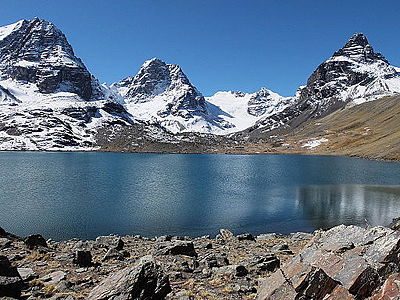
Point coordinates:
[[220, 44]]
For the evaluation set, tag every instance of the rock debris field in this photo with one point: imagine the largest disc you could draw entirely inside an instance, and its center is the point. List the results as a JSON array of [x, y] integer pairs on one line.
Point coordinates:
[[345, 262]]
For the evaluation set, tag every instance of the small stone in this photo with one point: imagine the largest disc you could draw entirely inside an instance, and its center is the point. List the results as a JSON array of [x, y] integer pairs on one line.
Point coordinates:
[[216, 261], [209, 246], [113, 254], [26, 274], [54, 278], [164, 238], [281, 247], [300, 236], [241, 271], [268, 236]]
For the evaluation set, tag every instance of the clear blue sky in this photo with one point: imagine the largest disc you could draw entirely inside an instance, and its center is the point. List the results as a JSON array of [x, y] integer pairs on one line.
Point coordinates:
[[220, 44]]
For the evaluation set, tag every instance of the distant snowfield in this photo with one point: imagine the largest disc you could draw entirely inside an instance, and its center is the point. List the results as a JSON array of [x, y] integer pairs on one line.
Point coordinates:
[[232, 109]]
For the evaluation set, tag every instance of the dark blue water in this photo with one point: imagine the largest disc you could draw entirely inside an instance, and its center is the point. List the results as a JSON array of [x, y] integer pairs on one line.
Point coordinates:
[[64, 195]]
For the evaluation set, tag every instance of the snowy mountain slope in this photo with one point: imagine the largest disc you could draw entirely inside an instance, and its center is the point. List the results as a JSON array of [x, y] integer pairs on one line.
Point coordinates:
[[353, 75], [243, 110], [36, 51], [161, 94], [45, 91]]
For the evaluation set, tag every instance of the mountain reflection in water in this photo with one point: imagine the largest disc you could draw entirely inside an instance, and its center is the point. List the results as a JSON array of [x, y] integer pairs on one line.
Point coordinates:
[[328, 205]]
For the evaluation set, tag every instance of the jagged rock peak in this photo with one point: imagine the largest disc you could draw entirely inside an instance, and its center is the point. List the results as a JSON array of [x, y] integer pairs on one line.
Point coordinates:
[[154, 77], [159, 81], [358, 47], [36, 51]]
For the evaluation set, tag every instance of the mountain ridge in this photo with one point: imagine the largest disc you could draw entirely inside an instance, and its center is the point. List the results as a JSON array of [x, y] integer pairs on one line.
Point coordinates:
[[39, 72]]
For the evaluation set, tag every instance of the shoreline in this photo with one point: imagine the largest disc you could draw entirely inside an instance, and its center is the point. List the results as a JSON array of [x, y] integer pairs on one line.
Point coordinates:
[[225, 267], [211, 153]]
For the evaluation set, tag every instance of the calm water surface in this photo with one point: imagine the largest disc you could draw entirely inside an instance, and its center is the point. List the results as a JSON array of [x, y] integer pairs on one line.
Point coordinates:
[[64, 195]]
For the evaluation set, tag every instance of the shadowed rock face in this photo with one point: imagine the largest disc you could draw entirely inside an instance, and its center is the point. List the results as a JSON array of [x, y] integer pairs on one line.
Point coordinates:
[[10, 280], [37, 52], [345, 262]]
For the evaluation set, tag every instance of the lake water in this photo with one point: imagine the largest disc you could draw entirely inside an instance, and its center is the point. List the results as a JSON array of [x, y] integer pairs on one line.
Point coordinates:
[[65, 195]]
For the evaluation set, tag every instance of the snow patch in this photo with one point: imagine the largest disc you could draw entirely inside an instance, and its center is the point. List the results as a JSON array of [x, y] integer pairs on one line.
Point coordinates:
[[314, 143]]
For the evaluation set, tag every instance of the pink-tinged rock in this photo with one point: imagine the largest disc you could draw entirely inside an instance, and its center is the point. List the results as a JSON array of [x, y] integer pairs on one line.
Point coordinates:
[[339, 293], [345, 260], [390, 289]]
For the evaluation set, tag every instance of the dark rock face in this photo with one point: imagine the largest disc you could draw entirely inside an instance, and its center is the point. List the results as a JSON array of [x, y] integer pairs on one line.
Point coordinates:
[[38, 52], [145, 280], [11, 282], [344, 262], [83, 258], [35, 240], [177, 248], [156, 78]]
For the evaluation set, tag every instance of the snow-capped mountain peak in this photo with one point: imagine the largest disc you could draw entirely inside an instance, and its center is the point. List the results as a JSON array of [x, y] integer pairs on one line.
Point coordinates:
[[37, 52], [354, 73], [161, 93], [358, 48]]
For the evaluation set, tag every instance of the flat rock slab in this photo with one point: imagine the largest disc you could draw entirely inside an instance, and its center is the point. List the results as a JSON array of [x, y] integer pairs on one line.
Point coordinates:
[[341, 263]]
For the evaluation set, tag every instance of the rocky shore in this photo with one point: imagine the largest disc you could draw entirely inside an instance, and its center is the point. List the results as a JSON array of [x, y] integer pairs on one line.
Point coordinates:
[[345, 262]]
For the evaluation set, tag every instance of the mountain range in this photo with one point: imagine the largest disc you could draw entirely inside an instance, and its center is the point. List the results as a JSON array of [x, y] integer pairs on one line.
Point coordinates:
[[50, 101]]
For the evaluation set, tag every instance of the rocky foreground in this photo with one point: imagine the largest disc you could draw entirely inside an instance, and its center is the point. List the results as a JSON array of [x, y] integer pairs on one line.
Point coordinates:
[[345, 262]]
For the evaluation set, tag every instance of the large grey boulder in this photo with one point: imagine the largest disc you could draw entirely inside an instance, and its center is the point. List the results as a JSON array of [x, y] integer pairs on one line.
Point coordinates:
[[145, 281], [348, 261]]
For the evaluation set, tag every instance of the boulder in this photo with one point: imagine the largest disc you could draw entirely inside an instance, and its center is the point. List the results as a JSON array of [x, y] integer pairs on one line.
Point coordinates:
[[345, 260], [3, 233], [4, 243], [245, 237], [144, 280], [266, 263], [11, 282], [177, 248], [225, 234], [216, 261], [83, 258], [35, 240], [110, 241]]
